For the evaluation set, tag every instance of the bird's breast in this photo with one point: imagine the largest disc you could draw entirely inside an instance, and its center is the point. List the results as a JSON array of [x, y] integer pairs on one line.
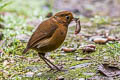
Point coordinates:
[[59, 36], [55, 41]]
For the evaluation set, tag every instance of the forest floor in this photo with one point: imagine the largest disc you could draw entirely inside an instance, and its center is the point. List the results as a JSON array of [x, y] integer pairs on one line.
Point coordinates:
[[97, 55]]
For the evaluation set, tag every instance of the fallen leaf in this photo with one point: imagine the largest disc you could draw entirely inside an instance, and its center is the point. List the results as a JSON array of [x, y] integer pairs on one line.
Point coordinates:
[[92, 37], [109, 71], [89, 48], [100, 78], [80, 65], [68, 50], [111, 38], [100, 40]]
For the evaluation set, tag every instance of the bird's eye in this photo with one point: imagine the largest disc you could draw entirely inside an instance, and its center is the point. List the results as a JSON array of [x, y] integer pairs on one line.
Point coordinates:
[[67, 17]]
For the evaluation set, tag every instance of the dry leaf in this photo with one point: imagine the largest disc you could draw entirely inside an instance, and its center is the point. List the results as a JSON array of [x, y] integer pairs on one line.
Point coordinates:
[[109, 71], [80, 65], [68, 50], [89, 48], [111, 38], [100, 40]]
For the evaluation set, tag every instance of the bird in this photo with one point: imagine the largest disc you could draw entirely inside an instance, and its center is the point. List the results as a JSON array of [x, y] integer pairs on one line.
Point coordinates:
[[50, 34]]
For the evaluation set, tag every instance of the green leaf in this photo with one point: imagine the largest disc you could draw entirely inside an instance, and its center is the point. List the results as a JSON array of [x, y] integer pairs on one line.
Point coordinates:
[[4, 4], [1, 20]]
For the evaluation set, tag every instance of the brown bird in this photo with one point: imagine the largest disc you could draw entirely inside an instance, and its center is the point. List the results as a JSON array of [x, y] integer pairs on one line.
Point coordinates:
[[50, 34]]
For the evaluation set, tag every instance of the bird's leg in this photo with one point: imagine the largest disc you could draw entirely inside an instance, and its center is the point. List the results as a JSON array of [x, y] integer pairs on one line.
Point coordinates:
[[41, 56], [51, 63], [46, 61]]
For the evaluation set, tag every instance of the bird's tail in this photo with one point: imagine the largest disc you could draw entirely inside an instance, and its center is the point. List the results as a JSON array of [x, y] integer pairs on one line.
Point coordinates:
[[25, 50]]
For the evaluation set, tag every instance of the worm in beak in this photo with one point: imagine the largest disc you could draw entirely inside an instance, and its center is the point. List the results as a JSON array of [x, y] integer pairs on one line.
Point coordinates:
[[78, 26]]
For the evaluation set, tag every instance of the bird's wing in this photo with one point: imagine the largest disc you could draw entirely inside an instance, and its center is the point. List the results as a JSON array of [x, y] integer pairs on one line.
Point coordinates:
[[44, 31]]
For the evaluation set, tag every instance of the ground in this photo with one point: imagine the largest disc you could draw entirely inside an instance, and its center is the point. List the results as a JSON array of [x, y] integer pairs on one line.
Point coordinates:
[[17, 22]]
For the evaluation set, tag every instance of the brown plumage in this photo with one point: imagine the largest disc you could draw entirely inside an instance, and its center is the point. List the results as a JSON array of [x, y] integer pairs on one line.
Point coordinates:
[[50, 34]]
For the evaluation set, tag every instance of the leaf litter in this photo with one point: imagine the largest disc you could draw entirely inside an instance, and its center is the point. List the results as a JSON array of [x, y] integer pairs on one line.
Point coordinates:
[[109, 71]]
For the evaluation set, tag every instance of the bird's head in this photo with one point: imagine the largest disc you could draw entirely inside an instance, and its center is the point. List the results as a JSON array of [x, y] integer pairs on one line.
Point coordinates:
[[64, 17]]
